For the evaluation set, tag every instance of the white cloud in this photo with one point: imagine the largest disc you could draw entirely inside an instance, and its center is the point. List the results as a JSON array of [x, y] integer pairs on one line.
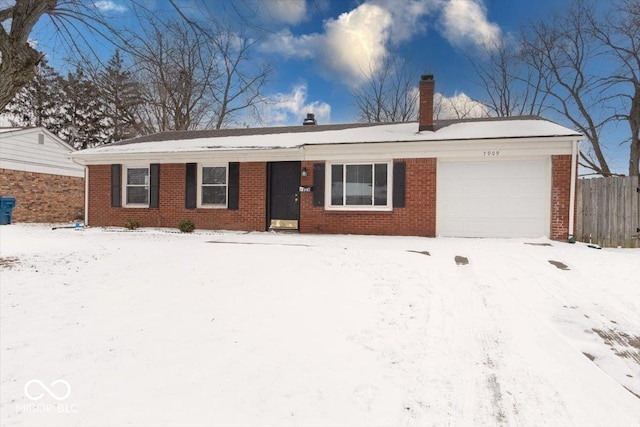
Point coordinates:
[[109, 6], [458, 106], [355, 43], [290, 46], [292, 107], [407, 16], [464, 22], [351, 45], [283, 11]]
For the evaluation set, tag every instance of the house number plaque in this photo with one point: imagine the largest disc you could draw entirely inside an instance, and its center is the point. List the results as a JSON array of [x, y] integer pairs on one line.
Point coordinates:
[[491, 153]]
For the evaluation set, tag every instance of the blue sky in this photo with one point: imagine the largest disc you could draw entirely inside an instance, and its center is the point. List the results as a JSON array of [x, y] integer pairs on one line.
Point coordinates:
[[318, 48]]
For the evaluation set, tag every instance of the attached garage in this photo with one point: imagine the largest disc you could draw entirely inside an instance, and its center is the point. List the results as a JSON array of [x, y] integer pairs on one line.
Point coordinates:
[[495, 198]]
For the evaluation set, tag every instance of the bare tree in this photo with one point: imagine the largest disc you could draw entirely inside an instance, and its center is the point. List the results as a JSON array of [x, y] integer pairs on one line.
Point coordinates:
[[619, 33], [388, 94], [510, 87], [561, 50], [177, 67], [196, 75], [240, 79], [77, 23]]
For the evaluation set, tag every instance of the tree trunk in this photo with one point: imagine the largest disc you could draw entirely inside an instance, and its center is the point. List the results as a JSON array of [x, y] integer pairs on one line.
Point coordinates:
[[18, 68], [19, 59], [634, 124]]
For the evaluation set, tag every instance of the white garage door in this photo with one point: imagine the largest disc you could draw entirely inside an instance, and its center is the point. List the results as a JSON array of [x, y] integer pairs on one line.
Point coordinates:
[[493, 198]]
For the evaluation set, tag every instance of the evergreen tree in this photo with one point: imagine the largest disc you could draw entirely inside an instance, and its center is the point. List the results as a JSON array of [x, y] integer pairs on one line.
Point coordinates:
[[38, 103], [82, 125], [120, 97]]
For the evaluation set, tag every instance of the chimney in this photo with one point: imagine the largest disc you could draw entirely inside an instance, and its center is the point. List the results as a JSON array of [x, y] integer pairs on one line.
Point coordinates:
[[425, 113], [310, 120]]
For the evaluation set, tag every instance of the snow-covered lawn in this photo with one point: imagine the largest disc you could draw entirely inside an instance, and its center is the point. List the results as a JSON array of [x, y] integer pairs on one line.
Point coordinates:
[[220, 328]]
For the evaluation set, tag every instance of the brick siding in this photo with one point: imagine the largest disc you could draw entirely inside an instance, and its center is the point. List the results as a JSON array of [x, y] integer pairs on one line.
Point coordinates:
[[250, 216], [560, 197], [43, 197], [417, 218]]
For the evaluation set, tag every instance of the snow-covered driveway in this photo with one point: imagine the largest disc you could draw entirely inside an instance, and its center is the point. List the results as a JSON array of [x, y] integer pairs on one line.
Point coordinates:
[[111, 328]]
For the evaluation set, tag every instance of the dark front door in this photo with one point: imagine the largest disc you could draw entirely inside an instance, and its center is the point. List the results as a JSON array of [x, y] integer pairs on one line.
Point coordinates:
[[284, 184]]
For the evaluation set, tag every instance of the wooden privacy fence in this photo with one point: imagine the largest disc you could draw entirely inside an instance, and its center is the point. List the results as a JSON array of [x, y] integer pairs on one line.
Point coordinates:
[[608, 211]]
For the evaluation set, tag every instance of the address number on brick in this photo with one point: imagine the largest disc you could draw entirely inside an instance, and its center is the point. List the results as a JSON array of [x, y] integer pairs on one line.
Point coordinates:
[[492, 153]]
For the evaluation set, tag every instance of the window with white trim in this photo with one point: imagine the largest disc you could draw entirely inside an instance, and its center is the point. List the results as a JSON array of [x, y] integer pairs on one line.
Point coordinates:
[[212, 191], [360, 186], [137, 186]]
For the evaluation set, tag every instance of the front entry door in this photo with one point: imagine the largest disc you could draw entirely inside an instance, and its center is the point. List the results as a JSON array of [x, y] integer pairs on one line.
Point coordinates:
[[284, 198]]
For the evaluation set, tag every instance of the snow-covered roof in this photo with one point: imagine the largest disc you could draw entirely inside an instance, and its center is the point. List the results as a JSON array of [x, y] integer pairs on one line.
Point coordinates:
[[299, 136]]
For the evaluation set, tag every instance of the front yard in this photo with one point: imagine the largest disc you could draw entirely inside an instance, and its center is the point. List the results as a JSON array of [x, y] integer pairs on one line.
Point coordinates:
[[153, 327]]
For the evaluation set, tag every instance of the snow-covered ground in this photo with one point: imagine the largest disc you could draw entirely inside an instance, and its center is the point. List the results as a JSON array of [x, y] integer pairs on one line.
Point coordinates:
[[104, 327]]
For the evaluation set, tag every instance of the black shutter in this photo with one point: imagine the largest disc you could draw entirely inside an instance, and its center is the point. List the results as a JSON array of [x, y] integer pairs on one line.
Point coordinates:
[[116, 186], [399, 184], [154, 188], [191, 186], [318, 184], [234, 186]]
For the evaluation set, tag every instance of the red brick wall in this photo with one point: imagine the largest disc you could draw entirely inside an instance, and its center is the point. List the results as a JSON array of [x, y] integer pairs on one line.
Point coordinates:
[[560, 196], [249, 216], [43, 197], [417, 218]]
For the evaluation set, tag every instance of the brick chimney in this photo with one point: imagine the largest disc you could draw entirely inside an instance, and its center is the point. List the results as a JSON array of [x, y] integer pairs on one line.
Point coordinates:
[[425, 113]]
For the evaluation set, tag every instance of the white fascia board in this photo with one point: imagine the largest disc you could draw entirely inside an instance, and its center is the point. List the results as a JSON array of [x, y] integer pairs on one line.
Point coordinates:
[[42, 168], [269, 155], [508, 148], [513, 147]]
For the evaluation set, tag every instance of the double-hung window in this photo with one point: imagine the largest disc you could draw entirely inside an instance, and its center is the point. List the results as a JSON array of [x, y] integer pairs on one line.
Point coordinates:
[[360, 186], [137, 186], [213, 186]]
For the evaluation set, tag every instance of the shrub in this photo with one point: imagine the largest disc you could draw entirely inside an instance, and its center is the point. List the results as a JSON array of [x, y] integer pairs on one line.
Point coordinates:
[[187, 226], [131, 224]]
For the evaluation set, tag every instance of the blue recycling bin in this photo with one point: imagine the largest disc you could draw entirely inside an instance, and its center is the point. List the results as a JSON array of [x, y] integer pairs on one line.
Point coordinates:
[[6, 209]]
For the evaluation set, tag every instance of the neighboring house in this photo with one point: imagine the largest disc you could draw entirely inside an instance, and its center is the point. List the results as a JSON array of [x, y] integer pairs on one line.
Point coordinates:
[[36, 169], [501, 177]]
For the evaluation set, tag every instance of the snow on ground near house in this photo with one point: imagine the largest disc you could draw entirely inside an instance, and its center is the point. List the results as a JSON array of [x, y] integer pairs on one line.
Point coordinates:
[[222, 328]]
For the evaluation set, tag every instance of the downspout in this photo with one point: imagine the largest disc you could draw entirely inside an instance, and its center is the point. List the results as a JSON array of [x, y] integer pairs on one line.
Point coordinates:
[[572, 190], [86, 196], [86, 190]]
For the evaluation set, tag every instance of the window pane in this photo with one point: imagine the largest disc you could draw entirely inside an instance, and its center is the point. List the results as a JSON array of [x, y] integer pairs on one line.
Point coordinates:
[[214, 175], [336, 185], [138, 195], [215, 195], [359, 185], [138, 176], [380, 189]]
